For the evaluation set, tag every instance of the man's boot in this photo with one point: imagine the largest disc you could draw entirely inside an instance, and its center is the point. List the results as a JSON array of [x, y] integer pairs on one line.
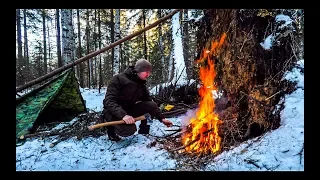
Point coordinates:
[[144, 129], [112, 135]]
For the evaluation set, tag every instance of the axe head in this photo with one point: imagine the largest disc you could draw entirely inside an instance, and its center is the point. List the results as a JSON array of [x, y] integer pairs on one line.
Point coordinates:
[[148, 118]]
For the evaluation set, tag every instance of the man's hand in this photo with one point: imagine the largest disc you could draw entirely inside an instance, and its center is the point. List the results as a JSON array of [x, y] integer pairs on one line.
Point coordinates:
[[166, 122], [128, 119]]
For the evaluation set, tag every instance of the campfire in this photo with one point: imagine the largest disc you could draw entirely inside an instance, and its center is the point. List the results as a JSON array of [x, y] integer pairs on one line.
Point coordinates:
[[202, 135]]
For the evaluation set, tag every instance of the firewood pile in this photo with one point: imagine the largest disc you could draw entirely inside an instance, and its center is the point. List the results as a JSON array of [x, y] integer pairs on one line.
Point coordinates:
[[78, 129], [186, 161], [178, 109], [181, 99]]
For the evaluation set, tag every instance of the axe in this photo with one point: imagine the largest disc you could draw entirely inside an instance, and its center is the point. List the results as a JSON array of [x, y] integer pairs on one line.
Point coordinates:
[[146, 116]]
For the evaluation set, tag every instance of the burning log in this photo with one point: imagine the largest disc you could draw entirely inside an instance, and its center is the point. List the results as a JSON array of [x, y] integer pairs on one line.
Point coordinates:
[[191, 142], [206, 118]]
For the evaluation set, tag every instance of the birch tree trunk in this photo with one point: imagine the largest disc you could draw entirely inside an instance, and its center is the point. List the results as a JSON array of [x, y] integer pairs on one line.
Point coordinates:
[[180, 75], [116, 60], [45, 66], [171, 68], [300, 22], [67, 35], [20, 58]]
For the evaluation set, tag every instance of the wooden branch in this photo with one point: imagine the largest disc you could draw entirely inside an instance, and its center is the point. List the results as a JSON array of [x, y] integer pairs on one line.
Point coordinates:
[[174, 114], [95, 53], [160, 100], [261, 102], [173, 129], [300, 153], [45, 133], [171, 134], [175, 83], [272, 95], [174, 111], [185, 105], [250, 161], [58, 141], [176, 125], [191, 142], [181, 110]]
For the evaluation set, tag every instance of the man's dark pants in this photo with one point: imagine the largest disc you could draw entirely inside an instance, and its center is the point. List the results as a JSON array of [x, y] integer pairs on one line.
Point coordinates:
[[136, 110]]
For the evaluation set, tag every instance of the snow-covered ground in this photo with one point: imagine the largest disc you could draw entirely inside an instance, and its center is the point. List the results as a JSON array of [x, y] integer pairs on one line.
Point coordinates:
[[278, 150]]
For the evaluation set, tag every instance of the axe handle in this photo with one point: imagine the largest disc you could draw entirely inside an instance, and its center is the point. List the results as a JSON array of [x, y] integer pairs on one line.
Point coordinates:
[[114, 123]]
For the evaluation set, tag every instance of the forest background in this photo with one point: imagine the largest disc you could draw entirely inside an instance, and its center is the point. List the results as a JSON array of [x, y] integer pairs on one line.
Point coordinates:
[[50, 38]]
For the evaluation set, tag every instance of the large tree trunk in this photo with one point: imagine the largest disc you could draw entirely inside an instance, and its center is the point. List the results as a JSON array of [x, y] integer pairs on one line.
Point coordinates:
[[162, 68], [81, 65], [45, 66], [185, 43], [112, 33], [100, 66], [249, 76], [49, 46], [116, 61], [145, 48], [94, 63], [58, 39], [20, 63], [26, 50], [88, 49], [67, 36]]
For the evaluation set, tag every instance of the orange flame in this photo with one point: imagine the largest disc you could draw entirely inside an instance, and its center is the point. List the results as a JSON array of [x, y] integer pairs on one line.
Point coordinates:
[[204, 136]]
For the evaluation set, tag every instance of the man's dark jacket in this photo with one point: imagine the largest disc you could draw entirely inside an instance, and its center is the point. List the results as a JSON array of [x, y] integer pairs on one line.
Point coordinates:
[[124, 90]]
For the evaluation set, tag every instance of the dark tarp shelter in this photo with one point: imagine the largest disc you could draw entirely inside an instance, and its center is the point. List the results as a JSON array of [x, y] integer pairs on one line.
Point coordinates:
[[55, 101]]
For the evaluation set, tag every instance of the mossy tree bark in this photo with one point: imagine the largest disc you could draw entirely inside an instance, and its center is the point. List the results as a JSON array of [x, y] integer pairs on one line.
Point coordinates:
[[249, 75]]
